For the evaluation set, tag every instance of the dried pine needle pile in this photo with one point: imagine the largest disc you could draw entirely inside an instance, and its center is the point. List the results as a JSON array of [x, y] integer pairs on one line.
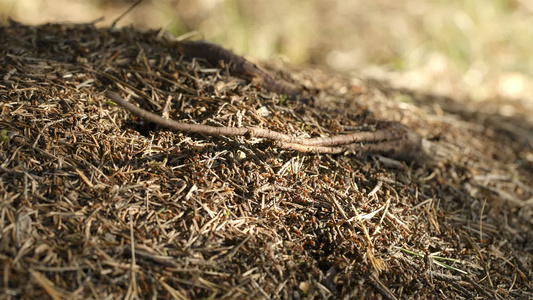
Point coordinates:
[[97, 203]]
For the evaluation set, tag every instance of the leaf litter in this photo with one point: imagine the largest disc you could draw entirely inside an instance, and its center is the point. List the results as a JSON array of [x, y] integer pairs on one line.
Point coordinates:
[[98, 203]]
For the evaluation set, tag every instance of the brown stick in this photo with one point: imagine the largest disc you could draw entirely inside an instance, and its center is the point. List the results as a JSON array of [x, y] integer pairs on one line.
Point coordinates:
[[237, 65], [391, 138]]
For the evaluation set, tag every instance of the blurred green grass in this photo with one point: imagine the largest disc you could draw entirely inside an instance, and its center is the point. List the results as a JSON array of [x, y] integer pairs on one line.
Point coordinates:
[[479, 49]]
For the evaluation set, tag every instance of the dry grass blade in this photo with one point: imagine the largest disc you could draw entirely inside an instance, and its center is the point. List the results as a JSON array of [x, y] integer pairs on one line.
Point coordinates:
[[47, 285]]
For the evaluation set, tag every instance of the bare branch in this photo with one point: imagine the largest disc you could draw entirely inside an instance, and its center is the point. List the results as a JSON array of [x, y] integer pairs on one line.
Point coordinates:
[[390, 138]]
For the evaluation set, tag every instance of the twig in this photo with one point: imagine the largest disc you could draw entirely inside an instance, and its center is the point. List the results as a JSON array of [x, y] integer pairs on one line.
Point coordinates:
[[237, 65], [391, 138], [378, 285], [125, 13]]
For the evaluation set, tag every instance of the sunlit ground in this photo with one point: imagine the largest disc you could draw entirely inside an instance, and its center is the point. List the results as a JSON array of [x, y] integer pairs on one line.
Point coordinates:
[[479, 49]]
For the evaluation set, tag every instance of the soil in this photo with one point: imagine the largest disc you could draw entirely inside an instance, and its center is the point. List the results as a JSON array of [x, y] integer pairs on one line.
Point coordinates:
[[97, 203]]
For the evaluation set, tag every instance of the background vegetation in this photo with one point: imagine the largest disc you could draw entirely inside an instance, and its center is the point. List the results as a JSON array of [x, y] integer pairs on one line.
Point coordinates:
[[478, 49]]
